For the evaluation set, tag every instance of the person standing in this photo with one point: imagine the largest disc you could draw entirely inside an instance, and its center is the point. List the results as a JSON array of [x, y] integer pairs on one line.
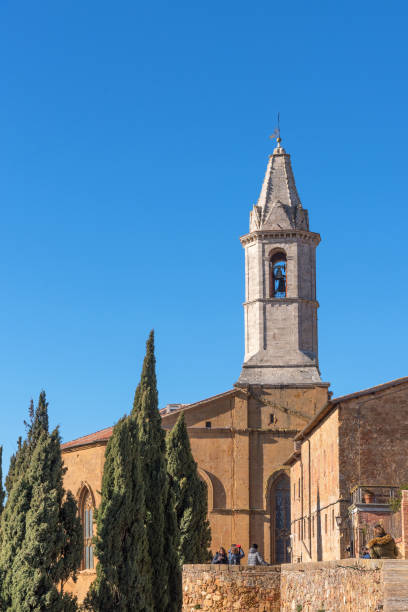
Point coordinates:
[[235, 554], [220, 557], [254, 557]]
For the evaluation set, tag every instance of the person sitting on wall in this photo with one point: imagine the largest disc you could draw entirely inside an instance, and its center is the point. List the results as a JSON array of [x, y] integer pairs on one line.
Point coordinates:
[[235, 554], [220, 557], [365, 553], [382, 546], [254, 557]]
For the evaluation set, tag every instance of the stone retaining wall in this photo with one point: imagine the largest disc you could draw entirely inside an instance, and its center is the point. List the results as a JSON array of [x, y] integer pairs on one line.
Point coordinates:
[[330, 586], [348, 585], [231, 587]]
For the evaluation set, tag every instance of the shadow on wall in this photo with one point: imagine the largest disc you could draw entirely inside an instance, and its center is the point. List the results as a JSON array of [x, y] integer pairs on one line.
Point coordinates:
[[318, 528], [220, 497], [217, 497]]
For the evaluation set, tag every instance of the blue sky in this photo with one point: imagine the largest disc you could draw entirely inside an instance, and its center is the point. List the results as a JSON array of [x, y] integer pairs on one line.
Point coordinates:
[[134, 139]]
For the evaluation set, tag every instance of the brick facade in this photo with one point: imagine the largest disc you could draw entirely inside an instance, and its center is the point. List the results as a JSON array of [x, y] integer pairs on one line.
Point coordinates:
[[239, 440], [356, 442]]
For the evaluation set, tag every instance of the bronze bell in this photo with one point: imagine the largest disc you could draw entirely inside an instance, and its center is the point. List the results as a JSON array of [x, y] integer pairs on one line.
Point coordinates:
[[281, 286], [278, 273]]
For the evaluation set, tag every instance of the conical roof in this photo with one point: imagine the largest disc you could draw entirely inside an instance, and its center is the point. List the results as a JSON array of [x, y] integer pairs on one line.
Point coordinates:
[[279, 205]]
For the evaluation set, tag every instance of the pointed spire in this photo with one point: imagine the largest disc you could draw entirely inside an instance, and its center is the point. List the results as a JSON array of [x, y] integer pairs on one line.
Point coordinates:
[[279, 205]]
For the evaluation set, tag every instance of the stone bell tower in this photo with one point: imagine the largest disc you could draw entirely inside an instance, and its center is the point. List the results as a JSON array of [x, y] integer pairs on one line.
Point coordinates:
[[280, 281]]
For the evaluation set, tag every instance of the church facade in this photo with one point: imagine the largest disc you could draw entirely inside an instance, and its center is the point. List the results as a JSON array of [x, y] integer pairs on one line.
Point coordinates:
[[243, 439]]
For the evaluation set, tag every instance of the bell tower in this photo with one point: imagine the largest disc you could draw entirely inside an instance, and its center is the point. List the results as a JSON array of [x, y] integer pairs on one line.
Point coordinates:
[[280, 284]]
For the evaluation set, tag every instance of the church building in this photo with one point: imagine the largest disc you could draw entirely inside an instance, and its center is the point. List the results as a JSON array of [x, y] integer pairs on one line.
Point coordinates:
[[241, 439]]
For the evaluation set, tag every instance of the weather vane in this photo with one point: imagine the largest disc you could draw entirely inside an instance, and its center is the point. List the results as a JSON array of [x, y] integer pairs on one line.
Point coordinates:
[[276, 133]]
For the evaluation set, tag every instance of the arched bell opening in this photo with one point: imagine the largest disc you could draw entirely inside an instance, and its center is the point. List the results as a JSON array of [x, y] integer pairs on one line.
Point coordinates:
[[278, 280]]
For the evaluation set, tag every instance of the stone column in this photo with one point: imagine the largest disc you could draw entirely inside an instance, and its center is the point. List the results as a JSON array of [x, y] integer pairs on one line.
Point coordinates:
[[404, 524]]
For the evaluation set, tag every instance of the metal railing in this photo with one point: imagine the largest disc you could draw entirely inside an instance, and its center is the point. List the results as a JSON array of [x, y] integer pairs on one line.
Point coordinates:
[[373, 494]]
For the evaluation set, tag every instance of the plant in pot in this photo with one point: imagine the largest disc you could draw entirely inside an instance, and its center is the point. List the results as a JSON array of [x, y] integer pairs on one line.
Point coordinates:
[[368, 497]]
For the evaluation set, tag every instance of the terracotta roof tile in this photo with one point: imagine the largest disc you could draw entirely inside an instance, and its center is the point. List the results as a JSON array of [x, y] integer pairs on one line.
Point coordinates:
[[99, 436], [104, 434]]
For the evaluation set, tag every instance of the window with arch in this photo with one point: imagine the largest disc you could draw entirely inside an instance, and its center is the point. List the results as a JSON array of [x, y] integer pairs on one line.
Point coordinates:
[[86, 511], [278, 275]]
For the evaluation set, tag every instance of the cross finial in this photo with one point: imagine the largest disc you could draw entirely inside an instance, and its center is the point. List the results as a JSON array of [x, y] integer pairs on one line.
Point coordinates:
[[276, 133]]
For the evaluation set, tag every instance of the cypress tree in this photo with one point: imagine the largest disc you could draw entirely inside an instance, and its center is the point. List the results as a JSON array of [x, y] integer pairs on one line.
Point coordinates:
[[123, 579], [2, 492], [190, 494], [171, 544], [72, 541], [154, 473], [41, 541], [13, 521]]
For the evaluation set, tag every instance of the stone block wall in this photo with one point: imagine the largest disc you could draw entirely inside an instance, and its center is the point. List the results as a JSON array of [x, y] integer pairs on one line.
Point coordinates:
[[329, 586], [332, 586], [231, 587]]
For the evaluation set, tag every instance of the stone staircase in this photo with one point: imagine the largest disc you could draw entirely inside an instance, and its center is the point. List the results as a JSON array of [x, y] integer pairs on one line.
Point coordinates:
[[395, 577]]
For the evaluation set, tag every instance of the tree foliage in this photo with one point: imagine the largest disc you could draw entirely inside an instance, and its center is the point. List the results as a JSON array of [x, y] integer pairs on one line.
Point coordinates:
[[123, 580], [2, 492], [190, 494], [41, 534], [154, 473], [171, 545]]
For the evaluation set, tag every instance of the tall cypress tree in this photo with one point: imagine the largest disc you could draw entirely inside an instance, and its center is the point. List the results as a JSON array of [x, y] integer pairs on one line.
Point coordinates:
[[2, 492], [72, 541], [190, 495], [154, 473], [123, 579], [41, 542], [171, 545], [13, 520]]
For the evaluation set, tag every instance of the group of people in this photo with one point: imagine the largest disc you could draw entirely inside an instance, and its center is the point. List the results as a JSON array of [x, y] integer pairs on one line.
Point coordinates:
[[382, 546], [236, 553]]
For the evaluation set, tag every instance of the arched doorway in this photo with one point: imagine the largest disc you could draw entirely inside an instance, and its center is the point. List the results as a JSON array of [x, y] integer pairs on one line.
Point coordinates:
[[280, 519]]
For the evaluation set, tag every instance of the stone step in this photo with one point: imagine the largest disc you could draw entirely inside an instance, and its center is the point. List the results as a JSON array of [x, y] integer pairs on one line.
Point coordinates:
[[395, 562], [397, 588], [400, 580], [395, 606], [395, 577], [388, 575]]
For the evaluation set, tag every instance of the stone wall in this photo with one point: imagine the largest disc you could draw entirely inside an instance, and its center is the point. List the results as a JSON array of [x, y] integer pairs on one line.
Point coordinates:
[[231, 587], [330, 586], [403, 545]]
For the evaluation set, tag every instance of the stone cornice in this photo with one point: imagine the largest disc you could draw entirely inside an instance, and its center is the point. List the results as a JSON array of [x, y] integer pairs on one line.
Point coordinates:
[[229, 431], [283, 234], [287, 300], [73, 449]]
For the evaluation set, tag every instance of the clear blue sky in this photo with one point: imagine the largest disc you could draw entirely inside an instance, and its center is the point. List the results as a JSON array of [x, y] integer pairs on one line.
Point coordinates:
[[134, 139]]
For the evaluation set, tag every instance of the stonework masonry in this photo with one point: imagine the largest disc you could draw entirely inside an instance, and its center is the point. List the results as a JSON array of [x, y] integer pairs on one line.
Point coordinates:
[[348, 585], [355, 441], [240, 440], [280, 330], [231, 587]]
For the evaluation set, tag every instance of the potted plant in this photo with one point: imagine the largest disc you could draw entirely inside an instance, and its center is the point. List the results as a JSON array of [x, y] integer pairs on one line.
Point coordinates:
[[368, 497]]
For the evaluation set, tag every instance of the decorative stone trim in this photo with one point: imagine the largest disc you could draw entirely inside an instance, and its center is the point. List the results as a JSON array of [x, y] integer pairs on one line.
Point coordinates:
[[297, 235], [286, 300]]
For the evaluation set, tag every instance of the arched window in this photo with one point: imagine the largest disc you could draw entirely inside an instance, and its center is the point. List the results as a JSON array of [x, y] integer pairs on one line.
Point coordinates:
[[278, 275], [86, 508]]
